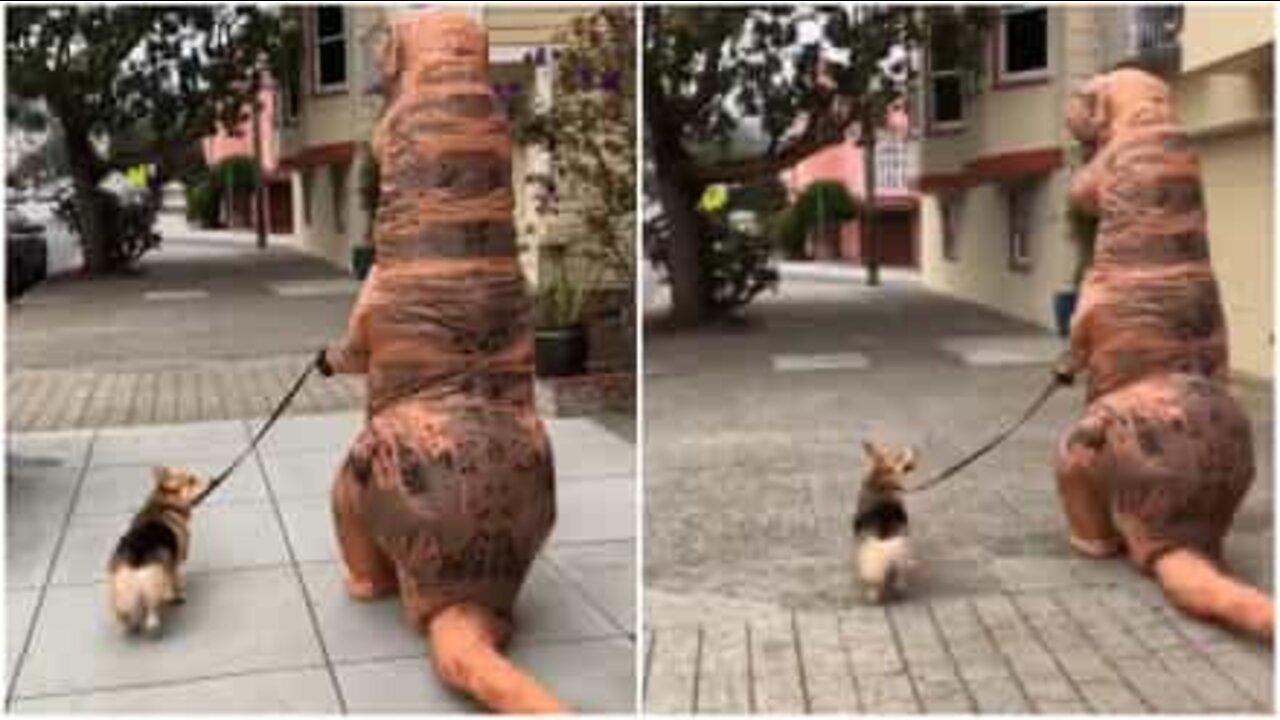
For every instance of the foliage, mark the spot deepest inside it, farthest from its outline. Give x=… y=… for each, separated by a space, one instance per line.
x=804 y=74
x=236 y=174
x=135 y=84
x=204 y=201
x=589 y=130
x=741 y=265
x=763 y=196
x=560 y=298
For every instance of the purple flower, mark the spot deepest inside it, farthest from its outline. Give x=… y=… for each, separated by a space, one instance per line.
x=584 y=76
x=611 y=81
x=514 y=88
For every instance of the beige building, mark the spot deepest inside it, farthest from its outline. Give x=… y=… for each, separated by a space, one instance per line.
x=997 y=159
x=326 y=117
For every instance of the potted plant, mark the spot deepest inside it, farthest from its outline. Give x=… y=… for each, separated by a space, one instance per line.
x=1084 y=228
x=362 y=254
x=560 y=338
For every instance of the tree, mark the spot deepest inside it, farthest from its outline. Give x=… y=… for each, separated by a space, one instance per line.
x=806 y=75
x=165 y=74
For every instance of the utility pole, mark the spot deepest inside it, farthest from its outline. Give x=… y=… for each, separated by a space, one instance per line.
x=260 y=186
x=870 y=254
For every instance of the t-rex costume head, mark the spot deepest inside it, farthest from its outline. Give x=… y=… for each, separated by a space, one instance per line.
x=1120 y=98
x=442 y=144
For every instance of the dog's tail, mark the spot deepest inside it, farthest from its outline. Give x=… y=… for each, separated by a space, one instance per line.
x=1200 y=588
x=135 y=597
x=465 y=642
x=126 y=599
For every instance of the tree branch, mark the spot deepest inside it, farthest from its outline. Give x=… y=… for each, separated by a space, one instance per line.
x=818 y=136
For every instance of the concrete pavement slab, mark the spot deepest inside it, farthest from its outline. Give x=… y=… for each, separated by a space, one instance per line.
x=585 y=449
x=606 y=572
x=596 y=511
x=595 y=676
x=224 y=537
x=116 y=489
x=237 y=621
x=286 y=691
x=300 y=474
x=154 y=444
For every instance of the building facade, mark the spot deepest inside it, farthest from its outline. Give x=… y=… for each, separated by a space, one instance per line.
x=996 y=159
x=239 y=208
x=897 y=158
x=327 y=116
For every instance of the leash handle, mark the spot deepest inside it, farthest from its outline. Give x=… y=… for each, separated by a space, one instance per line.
x=257 y=437
x=1000 y=437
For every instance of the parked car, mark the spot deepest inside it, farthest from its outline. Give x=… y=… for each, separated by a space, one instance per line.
x=27 y=253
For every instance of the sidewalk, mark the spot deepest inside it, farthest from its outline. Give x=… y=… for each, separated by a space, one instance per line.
x=268 y=627
x=752 y=465
x=210 y=329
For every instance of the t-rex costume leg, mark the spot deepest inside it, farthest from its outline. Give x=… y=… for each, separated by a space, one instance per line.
x=1164 y=455
x=448 y=492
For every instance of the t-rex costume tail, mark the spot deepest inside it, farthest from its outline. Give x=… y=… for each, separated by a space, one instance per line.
x=1164 y=454
x=448 y=492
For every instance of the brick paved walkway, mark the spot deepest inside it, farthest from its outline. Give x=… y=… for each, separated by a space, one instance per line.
x=751 y=472
x=48 y=399
x=87 y=353
x=1094 y=649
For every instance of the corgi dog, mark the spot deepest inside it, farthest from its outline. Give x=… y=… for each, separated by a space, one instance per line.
x=880 y=523
x=146 y=568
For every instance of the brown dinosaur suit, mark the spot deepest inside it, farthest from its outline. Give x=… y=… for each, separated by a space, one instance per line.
x=448 y=492
x=1164 y=454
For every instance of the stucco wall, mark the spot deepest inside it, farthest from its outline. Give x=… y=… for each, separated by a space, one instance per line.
x=1212 y=33
x=1005 y=119
x=982 y=273
x=1238 y=192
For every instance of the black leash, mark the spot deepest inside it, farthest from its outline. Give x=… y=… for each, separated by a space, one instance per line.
x=990 y=445
x=257 y=437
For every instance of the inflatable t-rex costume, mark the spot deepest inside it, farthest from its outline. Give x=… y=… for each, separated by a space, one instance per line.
x=448 y=492
x=1164 y=454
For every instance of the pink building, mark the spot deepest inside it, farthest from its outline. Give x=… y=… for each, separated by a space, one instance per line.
x=238 y=210
x=897 y=231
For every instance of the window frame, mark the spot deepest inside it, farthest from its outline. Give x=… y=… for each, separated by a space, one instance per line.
x=932 y=75
x=1019 y=224
x=318 y=86
x=1003 y=76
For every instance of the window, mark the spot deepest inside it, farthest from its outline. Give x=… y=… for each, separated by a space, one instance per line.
x=338 y=185
x=949 y=210
x=945 y=88
x=1018 y=209
x=1023 y=43
x=330 y=48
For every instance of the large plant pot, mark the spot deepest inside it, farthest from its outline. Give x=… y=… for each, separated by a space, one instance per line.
x=361 y=261
x=1064 y=306
x=559 y=352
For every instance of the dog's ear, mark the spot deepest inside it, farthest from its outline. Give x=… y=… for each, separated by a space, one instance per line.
x=160 y=473
x=909 y=459
x=872 y=450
